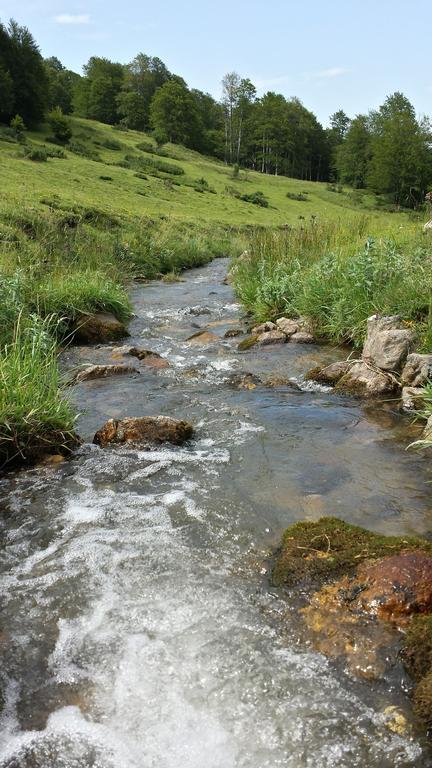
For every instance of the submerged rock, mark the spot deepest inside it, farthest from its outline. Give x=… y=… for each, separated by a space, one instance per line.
x=146 y=356
x=100 y=327
x=417 y=371
x=102 y=372
x=247 y=343
x=203 y=337
x=363 y=586
x=147 y=429
x=387 y=343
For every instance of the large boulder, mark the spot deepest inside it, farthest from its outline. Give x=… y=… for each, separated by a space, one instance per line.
x=97 y=328
x=417 y=370
x=364 y=381
x=387 y=343
x=147 y=429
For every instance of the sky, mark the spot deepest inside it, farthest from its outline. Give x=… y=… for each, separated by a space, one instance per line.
x=331 y=54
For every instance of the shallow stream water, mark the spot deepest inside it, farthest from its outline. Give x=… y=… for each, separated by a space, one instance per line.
x=139 y=629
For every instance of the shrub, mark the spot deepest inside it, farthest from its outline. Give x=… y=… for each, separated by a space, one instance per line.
x=60 y=125
x=37 y=154
x=151 y=165
x=108 y=144
x=202 y=185
x=17 y=124
x=301 y=197
x=256 y=198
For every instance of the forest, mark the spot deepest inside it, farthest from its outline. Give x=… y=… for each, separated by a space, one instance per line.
x=387 y=151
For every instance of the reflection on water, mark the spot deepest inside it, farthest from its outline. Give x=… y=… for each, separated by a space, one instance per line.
x=138 y=626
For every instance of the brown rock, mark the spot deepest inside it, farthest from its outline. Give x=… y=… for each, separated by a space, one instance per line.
x=302 y=337
x=271 y=337
x=100 y=327
x=387 y=344
x=102 y=371
x=147 y=429
x=394 y=587
x=288 y=326
x=330 y=374
x=264 y=328
x=417 y=370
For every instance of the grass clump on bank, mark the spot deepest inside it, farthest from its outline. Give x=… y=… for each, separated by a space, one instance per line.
x=35 y=417
x=338 y=275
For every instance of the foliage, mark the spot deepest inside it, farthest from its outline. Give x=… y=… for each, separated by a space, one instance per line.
x=338 y=277
x=60 y=125
x=17 y=124
x=23 y=80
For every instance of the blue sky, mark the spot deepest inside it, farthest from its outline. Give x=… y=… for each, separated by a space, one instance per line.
x=329 y=53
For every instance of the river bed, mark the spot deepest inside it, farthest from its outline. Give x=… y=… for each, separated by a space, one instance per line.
x=139 y=627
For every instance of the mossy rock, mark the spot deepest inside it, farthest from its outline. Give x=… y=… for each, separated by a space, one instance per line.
x=319 y=551
x=417 y=655
x=246 y=344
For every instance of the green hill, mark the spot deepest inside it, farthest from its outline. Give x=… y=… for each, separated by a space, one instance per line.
x=124 y=173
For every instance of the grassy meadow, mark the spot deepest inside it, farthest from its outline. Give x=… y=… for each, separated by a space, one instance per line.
x=78 y=222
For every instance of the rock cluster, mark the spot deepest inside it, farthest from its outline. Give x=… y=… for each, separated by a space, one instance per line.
x=297 y=331
x=383 y=362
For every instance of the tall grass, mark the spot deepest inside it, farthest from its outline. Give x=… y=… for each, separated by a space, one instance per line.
x=35 y=416
x=338 y=276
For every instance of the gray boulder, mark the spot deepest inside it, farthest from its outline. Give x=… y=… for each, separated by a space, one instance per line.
x=363 y=381
x=417 y=370
x=387 y=344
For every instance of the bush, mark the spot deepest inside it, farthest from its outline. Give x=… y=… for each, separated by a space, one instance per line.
x=37 y=154
x=18 y=126
x=60 y=125
x=256 y=198
x=108 y=144
x=152 y=165
x=202 y=185
x=301 y=197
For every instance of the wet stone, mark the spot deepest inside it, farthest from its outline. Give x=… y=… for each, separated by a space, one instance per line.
x=147 y=429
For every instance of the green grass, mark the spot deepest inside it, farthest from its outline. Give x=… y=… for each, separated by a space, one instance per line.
x=338 y=275
x=35 y=417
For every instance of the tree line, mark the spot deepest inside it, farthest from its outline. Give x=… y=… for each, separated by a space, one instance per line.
x=388 y=151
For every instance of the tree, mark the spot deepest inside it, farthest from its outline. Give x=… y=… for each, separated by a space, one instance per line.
x=401 y=152
x=353 y=155
x=23 y=80
x=132 y=109
x=96 y=95
x=60 y=125
x=61 y=85
x=18 y=125
x=174 y=115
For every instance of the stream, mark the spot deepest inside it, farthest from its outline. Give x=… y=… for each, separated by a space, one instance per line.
x=139 y=628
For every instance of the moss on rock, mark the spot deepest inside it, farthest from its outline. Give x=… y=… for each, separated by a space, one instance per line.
x=322 y=550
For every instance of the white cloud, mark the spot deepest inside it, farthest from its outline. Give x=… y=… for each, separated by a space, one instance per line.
x=72 y=18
